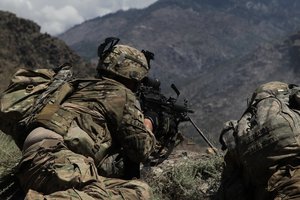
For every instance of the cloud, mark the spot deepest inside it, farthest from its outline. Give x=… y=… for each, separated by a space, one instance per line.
x=56 y=16
x=57 y=20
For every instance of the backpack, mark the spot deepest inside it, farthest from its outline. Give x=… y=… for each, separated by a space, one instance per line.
x=266 y=136
x=28 y=92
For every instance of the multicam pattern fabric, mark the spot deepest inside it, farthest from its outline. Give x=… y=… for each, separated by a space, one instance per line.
x=127 y=62
x=17 y=100
x=263 y=163
x=102 y=117
x=28 y=92
x=49 y=170
x=109 y=120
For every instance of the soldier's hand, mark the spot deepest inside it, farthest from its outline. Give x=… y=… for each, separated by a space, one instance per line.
x=151 y=120
x=148 y=124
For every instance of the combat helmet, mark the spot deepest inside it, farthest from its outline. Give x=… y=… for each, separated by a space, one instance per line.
x=273 y=88
x=122 y=60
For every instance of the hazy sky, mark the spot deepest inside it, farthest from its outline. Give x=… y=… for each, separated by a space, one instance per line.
x=56 y=16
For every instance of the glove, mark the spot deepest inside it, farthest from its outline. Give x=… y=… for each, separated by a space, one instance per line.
x=153 y=117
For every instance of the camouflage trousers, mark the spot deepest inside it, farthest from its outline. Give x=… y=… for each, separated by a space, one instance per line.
x=49 y=170
x=282 y=182
x=285 y=183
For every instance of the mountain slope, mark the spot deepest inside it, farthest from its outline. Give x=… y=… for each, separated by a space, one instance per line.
x=22 y=45
x=189 y=37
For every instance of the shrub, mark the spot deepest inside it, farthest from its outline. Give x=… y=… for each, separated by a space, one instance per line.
x=186 y=179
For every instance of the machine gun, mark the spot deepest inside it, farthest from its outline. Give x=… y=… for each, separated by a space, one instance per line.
x=170 y=115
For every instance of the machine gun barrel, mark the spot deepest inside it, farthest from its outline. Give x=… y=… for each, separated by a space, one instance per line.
x=202 y=135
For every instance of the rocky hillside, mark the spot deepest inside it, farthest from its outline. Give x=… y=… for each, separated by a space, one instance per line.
x=216 y=51
x=191 y=36
x=226 y=90
x=22 y=45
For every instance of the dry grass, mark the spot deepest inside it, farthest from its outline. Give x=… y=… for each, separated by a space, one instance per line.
x=9 y=153
x=187 y=180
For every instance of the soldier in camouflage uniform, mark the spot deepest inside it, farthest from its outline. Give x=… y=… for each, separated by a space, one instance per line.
x=262 y=158
x=70 y=142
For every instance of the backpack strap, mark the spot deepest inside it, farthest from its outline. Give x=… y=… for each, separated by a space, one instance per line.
x=62 y=76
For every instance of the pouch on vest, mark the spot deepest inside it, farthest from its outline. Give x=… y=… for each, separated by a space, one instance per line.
x=19 y=100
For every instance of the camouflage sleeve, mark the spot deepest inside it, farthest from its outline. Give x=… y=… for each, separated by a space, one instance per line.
x=137 y=142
